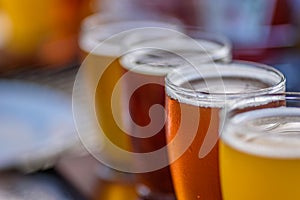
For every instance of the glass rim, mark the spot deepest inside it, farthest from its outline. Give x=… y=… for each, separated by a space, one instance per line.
x=235 y=132
x=90 y=38
x=214 y=97
x=183 y=34
x=129 y=62
x=100 y=19
x=239 y=103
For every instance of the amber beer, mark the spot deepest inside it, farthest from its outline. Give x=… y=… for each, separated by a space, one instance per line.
x=260 y=150
x=200 y=93
x=158 y=182
x=150 y=66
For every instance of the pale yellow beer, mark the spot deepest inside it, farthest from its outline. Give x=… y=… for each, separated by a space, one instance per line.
x=260 y=150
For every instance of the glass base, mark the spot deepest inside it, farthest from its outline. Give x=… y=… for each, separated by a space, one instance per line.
x=114 y=185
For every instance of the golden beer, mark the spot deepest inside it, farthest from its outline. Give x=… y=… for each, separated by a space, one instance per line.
x=104 y=61
x=102 y=43
x=260 y=151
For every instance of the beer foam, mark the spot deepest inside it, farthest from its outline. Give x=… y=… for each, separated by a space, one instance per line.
x=269 y=132
x=213 y=84
x=152 y=61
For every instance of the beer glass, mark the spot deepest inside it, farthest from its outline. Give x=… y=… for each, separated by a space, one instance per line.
x=260 y=148
x=195 y=95
x=145 y=67
x=101 y=43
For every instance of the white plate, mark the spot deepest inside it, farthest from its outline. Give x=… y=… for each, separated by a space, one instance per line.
x=36 y=125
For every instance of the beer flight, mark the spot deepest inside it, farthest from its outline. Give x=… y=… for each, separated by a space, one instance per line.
x=231 y=130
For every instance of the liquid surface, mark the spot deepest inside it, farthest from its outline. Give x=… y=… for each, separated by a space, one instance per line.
x=266 y=132
x=152 y=61
x=155 y=62
x=226 y=85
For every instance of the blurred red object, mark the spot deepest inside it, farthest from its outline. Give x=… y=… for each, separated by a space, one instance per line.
x=258 y=29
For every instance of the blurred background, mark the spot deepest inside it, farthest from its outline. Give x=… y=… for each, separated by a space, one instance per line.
x=39 y=59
